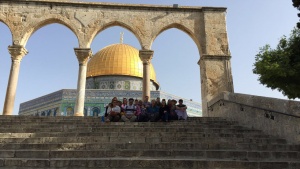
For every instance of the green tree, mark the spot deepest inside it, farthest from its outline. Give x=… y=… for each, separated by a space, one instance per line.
x=280 y=68
x=296 y=4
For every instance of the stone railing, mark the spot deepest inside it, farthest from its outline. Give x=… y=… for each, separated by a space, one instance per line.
x=276 y=117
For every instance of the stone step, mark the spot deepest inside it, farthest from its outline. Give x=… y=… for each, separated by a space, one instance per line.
x=145 y=163
x=188 y=154
x=175 y=123
x=30 y=126
x=122 y=139
x=100 y=123
x=125 y=129
x=87 y=119
x=97 y=120
x=85 y=142
x=133 y=134
x=148 y=146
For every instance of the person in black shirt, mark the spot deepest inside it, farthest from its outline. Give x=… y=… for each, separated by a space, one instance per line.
x=158 y=102
x=164 y=111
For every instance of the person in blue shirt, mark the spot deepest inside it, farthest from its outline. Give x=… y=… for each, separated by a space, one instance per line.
x=153 y=112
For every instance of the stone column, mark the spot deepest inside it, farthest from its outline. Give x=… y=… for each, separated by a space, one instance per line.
x=215 y=56
x=17 y=52
x=216 y=77
x=83 y=55
x=146 y=56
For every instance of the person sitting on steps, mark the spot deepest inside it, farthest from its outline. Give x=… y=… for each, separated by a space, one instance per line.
x=181 y=110
x=114 y=112
x=129 y=112
x=172 y=106
x=153 y=112
x=164 y=111
x=146 y=102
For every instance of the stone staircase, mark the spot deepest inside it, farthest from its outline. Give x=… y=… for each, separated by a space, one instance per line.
x=86 y=143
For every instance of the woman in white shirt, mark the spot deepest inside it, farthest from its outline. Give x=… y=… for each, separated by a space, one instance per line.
x=114 y=112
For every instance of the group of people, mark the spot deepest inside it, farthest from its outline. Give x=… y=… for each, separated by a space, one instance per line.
x=143 y=111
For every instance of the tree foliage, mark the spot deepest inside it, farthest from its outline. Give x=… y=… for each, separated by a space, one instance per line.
x=296 y=4
x=280 y=68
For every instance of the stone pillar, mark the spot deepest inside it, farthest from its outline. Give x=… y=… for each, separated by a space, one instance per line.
x=215 y=56
x=17 y=52
x=146 y=56
x=83 y=55
x=216 y=77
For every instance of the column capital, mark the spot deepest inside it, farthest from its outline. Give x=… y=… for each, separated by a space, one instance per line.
x=17 y=52
x=216 y=57
x=146 y=56
x=83 y=55
x=213 y=57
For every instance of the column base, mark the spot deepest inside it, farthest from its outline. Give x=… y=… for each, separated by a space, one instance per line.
x=7 y=114
x=78 y=114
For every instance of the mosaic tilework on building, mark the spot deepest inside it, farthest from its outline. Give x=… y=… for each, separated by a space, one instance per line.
x=116 y=83
x=62 y=103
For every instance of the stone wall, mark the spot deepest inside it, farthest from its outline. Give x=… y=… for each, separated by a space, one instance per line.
x=277 y=117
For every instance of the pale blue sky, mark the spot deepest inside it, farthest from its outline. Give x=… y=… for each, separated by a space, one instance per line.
x=51 y=64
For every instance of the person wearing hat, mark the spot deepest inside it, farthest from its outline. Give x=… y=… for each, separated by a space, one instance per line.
x=181 y=110
x=130 y=112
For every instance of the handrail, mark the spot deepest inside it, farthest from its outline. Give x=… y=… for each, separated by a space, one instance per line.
x=269 y=110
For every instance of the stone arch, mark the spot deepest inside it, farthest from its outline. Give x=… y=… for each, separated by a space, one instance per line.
x=32 y=28
x=43 y=113
x=49 y=113
x=70 y=111
x=112 y=24
x=168 y=46
x=96 y=111
x=180 y=27
x=55 y=111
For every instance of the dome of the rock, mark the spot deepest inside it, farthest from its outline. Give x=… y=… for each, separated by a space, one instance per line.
x=119 y=60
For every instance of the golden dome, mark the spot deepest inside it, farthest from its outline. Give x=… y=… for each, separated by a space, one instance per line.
x=118 y=59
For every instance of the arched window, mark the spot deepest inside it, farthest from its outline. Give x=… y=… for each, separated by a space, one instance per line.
x=96 y=111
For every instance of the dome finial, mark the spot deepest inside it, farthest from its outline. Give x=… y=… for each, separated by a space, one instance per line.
x=121 y=37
